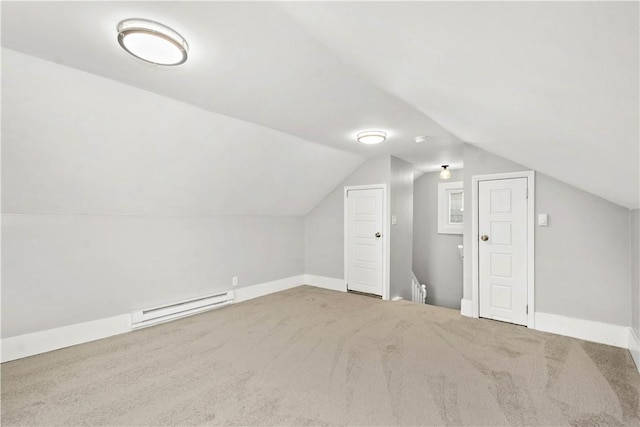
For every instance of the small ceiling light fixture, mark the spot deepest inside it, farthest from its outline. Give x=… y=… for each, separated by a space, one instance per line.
x=371 y=137
x=445 y=173
x=152 y=42
x=420 y=139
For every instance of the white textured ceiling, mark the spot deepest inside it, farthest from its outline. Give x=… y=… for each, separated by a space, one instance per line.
x=551 y=86
x=76 y=143
x=250 y=61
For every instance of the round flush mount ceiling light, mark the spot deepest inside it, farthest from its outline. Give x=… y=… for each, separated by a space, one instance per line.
x=371 y=137
x=445 y=173
x=152 y=42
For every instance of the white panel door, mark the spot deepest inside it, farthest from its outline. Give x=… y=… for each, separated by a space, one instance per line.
x=364 y=241
x=502 y=249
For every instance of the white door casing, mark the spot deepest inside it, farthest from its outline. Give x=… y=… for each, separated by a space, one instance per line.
x=502 y=249
x=364 y=236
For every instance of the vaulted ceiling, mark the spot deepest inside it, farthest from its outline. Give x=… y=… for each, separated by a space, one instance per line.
x=551 y=86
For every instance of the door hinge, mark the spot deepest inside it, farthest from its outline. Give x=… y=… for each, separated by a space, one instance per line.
x=527 y=193
x=527 y=310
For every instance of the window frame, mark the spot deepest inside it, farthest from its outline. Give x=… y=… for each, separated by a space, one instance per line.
x=445 y=189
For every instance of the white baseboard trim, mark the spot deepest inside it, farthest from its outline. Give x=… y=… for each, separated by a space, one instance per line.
x=589 y=330
x=53 y=339
x=325 y=282
x=634 y=347
x=262 y=289
x=17 y=347
x=466 y=307
x=20 y=346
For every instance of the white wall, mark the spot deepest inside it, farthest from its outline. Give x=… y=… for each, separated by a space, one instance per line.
x=115 y=198
x=58 y=270
x=402 y=232
x=635 y=271
x=436 y=261
x=582 y=258
x=324 y=225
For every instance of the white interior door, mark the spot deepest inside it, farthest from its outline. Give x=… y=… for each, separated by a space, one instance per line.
x=502 y=249
x=365 y=241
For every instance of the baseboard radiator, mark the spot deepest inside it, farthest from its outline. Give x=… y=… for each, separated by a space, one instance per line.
x=164 y=313
x=418 y=291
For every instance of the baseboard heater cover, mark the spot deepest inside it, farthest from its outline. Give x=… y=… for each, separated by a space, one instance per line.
x=164 y=313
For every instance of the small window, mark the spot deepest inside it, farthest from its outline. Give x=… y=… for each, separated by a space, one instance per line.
x=450 y=207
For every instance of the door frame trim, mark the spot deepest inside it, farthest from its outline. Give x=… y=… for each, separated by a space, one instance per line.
x=475 y=264
x=386 y=264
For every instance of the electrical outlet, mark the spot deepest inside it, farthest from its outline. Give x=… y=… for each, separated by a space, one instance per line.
x=234 y=281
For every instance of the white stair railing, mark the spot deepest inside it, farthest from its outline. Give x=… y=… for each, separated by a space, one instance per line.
x=419 y=291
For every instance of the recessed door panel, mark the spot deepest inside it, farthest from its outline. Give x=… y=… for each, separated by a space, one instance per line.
x=500 y=265
x=365 y=205
x=501 y=297
x=365 y=253
x=365 y=229
x=363 y=276
x=501 y=232
x=500 y=200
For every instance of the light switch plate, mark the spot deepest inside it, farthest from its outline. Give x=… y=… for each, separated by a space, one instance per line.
x=394 y=220
x=543 y=219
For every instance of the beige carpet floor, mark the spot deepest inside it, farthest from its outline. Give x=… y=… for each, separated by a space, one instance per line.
x=309 y=356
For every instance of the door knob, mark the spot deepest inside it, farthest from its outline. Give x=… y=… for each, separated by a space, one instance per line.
x=378 y=234
x=484 y=237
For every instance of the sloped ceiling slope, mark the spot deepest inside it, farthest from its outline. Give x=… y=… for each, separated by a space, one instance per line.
x=76 y=143
x=250 y=61
x=550 y=85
